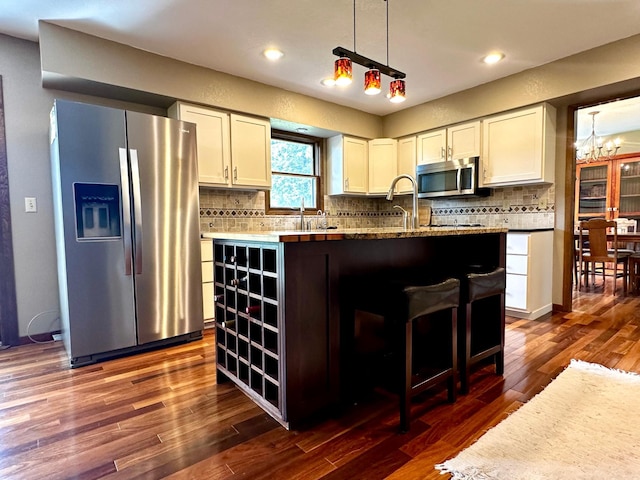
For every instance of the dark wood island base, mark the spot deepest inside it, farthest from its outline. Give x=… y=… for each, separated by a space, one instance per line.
x=277 y=297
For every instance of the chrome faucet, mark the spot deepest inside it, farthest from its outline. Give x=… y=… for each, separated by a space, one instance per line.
x=414 y=214
x=405 y=216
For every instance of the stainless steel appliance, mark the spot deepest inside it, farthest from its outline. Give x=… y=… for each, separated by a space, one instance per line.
x=449 y=178
x=127 y=230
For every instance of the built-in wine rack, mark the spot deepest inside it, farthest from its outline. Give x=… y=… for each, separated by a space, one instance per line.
x=248 y=320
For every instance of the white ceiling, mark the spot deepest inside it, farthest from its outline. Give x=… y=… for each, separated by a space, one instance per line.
x=437 y=43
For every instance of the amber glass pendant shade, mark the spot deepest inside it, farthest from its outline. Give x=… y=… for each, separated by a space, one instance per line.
x=397 y=91
x=342 y=71
x=372 y=82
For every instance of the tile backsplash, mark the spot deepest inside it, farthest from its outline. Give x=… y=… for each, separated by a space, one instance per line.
x=526 y=207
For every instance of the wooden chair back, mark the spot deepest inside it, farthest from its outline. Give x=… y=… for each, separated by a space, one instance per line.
x=597 y=230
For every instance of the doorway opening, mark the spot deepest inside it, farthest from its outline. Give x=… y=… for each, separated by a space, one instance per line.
x=607 y=176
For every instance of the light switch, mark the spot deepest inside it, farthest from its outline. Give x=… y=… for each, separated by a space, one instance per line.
x=30 y=205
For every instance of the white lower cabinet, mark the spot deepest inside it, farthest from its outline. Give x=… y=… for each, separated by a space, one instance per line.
x=529 y=274
x=206 y=257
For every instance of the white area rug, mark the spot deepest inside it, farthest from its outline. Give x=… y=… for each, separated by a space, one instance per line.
x=584 y=425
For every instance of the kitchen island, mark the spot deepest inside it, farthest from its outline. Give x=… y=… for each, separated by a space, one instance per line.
x=277 y=298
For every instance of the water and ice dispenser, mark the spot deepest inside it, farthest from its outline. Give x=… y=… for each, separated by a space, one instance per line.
x=97 y=211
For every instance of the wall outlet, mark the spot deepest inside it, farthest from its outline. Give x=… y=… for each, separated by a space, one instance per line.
x=30 y=205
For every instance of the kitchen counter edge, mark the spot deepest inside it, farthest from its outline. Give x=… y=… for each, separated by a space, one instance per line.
x=350 y=234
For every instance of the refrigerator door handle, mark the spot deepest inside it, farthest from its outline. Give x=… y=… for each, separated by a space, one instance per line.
x=126 y=208
x=137 y=210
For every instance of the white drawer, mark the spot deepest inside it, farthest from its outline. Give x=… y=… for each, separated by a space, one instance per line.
x=518 y=243
x=516 y=292
x=517 y=264
x=207 y=272
x=208 y=305
x=206 y=249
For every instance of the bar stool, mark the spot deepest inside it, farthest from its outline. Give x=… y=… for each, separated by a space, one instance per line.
x=634 y=272
x=404 y=304
x=482 y=333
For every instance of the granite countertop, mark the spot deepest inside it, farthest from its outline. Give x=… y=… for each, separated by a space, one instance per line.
x=351 y=234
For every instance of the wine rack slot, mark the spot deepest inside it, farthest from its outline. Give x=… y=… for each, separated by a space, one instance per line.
x=256 y=357
x=271 y=392
x=248 y=318
x=255 y=284
x=243 y=349
x=269 y=261
x=254 y=258
x=270 y=314
x=255 y=333
x=271 y=366
x=256 y=382
x=243 y=326
x=270 y=287
x=243 y=372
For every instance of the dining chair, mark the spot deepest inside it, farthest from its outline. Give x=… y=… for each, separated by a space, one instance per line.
x=595 y=232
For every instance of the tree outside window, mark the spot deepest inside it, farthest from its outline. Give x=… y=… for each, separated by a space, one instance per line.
x=295 y=173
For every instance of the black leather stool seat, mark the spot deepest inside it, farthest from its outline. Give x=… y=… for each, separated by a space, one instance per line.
x=404 y=304
x=482 y=334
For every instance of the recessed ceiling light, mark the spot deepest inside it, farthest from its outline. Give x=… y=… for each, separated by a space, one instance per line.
x=493 y=57
x=273 y=54
x=328 y=82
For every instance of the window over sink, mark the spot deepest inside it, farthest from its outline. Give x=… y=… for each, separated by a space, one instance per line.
x=295 y=173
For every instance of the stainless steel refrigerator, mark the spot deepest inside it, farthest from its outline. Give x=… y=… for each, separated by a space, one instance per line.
x=126 y=212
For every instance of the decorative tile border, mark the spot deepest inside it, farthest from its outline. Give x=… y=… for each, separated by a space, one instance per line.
x=516 y=207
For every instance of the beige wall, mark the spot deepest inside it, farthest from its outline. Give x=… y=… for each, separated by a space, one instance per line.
x=97 y=62
x=26 y=110
x=552 y=82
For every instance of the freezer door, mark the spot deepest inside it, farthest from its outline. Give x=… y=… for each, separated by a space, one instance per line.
x=96 y=294
x=164 y=177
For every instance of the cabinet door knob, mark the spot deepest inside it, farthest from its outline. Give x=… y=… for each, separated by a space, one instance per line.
x=450 y=152
x=442 y=154
x=226 y=173
x=235 y=173
x=346 y=184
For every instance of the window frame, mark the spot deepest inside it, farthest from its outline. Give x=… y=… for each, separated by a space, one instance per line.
x=317 y=167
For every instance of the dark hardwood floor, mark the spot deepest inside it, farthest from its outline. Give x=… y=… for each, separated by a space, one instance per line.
x=161 y=415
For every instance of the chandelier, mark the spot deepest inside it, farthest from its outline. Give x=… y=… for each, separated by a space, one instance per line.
x=594 y=148
x=343 y=68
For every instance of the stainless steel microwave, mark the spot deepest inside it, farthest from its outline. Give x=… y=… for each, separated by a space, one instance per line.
x=449 y=178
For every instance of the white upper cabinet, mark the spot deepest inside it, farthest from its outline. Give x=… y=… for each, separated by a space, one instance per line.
x=214 y=153
x=432 y=146
x=406 y=163
x=383 y=164
x=347 y=161
x=233 y=150
x=519 y=147
x=458 y=141
x=463 y=140
x=250 y=151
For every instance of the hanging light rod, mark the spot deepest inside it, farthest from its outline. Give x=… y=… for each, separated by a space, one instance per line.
x=368 y=63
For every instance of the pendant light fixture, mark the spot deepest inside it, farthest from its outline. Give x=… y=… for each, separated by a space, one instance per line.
x=372 y=85
x=397 y=91
x=372 y=82
x=342 y=71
